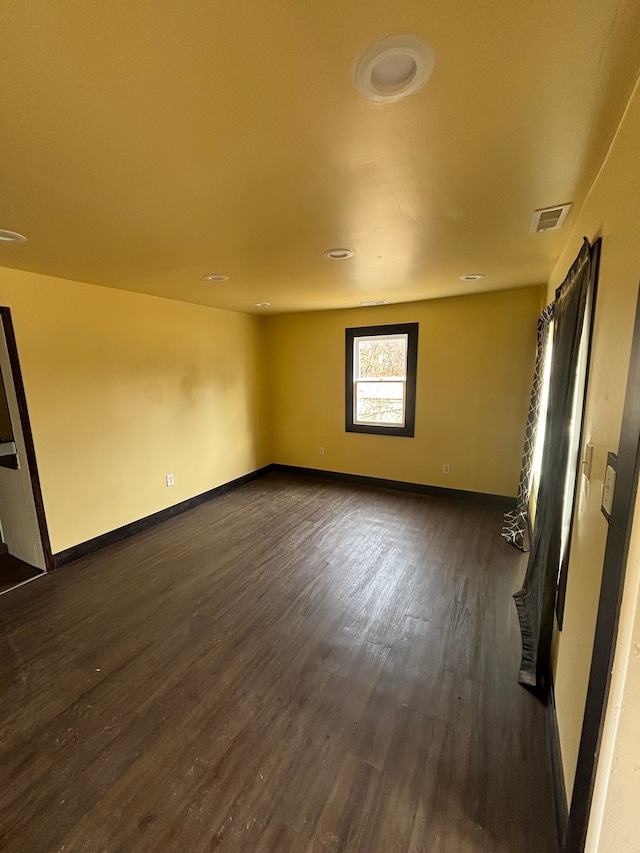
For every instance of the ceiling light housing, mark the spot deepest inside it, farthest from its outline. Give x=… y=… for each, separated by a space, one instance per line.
x=263 y=304
x=338 y=254
x=474 y=276
x=394 y=68
x=374 y=302
x=215 y=277
x=11 y=237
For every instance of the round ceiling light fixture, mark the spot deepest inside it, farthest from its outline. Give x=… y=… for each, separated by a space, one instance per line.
x=475 y=276
x=11 y=237
x=263 y=304
x=374 y=302
x=394 y=68
x=215 y=277
x=338 y=254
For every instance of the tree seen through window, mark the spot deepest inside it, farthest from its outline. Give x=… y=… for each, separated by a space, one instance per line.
x=381 y=376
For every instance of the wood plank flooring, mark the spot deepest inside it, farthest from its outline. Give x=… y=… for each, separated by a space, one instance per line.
x=300 y=666
x=14 y=572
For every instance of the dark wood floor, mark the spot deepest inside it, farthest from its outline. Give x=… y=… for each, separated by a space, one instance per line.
x=300 y=666
x=14 y=572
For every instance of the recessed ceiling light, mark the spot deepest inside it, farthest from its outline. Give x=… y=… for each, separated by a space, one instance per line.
x=215 y=277
x=11 y=237
x=263 y=304
x=338 y=254
x=394 y=68
x=475 y=276
x=374 y=302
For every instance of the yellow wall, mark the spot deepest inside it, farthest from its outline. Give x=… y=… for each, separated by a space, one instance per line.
x=612 y=211
x=475 y=364
x=124 y=388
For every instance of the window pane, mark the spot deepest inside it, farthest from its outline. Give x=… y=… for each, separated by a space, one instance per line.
x=380 y=402
x=381 y=357
x=380 y=390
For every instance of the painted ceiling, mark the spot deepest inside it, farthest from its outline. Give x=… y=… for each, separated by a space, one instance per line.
x=146 y=144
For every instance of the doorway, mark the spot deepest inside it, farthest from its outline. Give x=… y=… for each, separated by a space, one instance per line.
x=25 y=550
x=616 y=555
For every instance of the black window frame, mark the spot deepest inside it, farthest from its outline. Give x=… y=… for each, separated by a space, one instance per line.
x=409 y=329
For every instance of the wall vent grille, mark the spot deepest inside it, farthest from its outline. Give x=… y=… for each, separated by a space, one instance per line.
x=549 y=218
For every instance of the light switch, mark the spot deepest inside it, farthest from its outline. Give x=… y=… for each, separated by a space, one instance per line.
x=587 y=462
x=609 y=485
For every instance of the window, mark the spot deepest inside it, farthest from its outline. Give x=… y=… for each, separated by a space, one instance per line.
x=536 y=465
x=575 y=426
x=381 y=379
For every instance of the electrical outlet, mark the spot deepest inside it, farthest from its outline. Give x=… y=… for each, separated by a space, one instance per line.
x=322 y=451
x=446 y=468
x=169 y=479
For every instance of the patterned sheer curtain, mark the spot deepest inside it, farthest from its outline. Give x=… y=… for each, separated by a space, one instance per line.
x=535 y=602
x=515 y=521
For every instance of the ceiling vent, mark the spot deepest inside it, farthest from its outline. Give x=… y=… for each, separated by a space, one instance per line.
x=549 y=218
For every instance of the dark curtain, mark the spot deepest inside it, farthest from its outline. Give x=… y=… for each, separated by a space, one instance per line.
x=515 y=521
x=535 y=601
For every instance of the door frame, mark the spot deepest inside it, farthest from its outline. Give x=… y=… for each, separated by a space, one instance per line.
x=14 y=362
x=611 y=589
